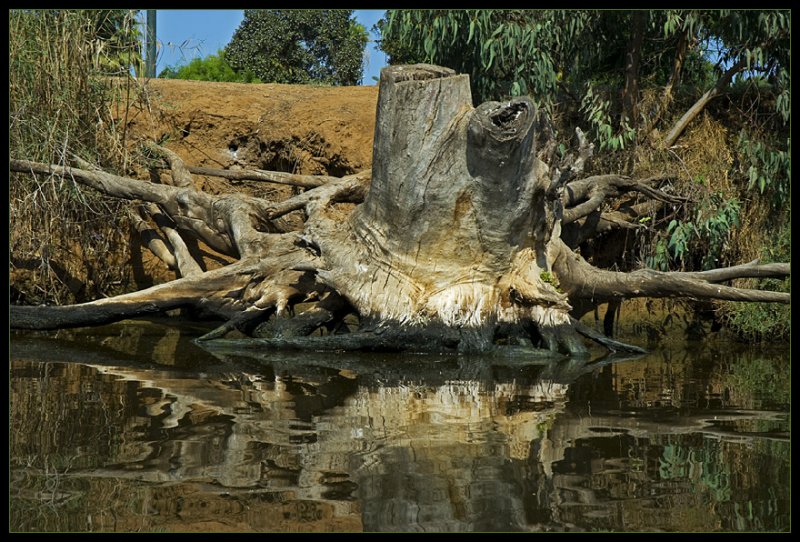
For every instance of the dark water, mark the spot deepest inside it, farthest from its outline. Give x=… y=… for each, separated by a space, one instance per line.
x=133 y=428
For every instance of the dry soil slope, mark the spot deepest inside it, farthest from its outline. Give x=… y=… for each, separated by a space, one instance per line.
x=293 y=128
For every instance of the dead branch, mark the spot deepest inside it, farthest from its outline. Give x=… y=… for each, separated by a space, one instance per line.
x=180 y=174
x=351 y=188
x=720 y=86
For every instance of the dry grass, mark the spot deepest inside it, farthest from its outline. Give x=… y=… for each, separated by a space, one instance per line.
x=60 y=102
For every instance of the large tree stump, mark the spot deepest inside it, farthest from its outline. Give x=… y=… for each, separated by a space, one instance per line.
x=456 y=227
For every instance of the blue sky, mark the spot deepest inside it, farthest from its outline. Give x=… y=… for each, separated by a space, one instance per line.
x=186 y=34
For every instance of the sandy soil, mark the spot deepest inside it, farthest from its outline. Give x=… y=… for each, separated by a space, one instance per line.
x=294 y=128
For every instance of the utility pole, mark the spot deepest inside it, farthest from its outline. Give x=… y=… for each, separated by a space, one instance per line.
x=150 y=41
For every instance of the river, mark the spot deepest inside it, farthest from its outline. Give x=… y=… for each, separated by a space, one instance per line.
x=132 y=427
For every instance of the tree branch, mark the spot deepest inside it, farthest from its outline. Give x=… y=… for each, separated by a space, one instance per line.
x=228 y=223
x=187 y=266
x=630 y=92
x=594 y=224
x=153 y=240
x=209 y=290
x=747 y=270
x=112 y=185
x=180 y=174
x=352 y=188
x=599 y=338
x=681 y=50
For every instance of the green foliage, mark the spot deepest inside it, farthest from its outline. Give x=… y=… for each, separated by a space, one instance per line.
x=716 y=219
x=755 y=322
x=769 y=170
x=583 y=52
x=119 y=41
x=551 y=279
x=547 y=54
x=659 y=259
x=299 y=46
x=505 y=52
x=596 y=111
x=210 y=68
x=760 y=40
x=680 y=235
x=703 y=237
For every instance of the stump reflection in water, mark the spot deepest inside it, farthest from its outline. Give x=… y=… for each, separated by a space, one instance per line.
x=323 y=442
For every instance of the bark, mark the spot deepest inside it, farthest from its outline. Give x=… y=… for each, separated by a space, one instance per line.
x=230 y=224
x=456 y=224
x=184 y=262
x=347 y=189
x=452 y=243
x=153 y=241
x=681 y=50
x=180 y=174
x=189 y=292
x=587 y=195
x=677 y=67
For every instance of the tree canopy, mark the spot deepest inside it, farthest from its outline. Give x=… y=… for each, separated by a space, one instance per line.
x=299 y=46
x=580 y=54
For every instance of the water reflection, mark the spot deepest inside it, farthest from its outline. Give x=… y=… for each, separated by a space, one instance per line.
x=137 y=429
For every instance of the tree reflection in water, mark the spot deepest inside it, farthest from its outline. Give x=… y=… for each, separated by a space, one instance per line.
x=139 y=430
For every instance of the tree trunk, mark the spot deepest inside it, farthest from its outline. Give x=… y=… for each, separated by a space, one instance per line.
x=677 y=67
x=454 y=242
x=630 y=93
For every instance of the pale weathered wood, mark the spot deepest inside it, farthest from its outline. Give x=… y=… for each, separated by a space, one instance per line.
x=582 y=280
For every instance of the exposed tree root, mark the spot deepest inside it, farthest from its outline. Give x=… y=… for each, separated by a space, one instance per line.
x=276 y=177
x=609 y=343
x=585 y=196
x=582 y=280
x=215 y=290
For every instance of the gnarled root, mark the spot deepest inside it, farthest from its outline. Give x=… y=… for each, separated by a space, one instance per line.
x=582 y=280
